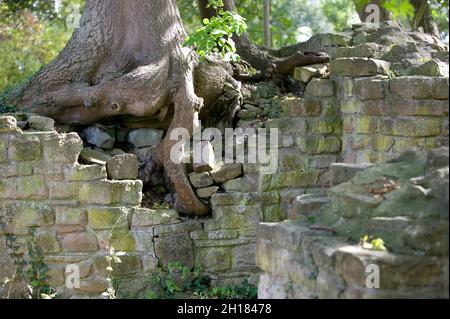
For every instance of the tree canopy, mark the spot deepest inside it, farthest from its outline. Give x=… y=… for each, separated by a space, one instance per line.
x=33 y=32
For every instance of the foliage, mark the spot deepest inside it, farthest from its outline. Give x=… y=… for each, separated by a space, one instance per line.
x=112 y=258
x=339 y=13
x=29 y=38
x=37 y=271
x=179 y=279
x=374 y=244
x=216 y=34
x=244 y=291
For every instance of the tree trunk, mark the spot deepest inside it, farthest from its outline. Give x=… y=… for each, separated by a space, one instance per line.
x=126 y=58
x=259 y=59
x=423 y=18
x=267 y=36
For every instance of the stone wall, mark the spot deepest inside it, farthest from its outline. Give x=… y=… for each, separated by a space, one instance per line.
x=385 y=91
x=318 y=256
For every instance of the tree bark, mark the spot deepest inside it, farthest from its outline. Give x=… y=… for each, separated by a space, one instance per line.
x=423 y=18
x=267 y=36
x=125 y=59
x=259 y=59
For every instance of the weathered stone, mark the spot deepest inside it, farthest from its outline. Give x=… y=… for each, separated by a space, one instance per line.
x=147 y=217
x=176 y=248
x=363 y=50
x=370 y=88
x=61 y=148
x=207 y=192
x=306 y=205
x=342 y=172
x=145 y=137
x=420 y=107
x=112 y=192
x=68 y=218
x=204 y=157
x=108 y=218
x=25 y=148
x=8 y=124
x=431 y=68
x=320 y=88
x=91 y=156
x=122 y=167
x=359 y=67
x=420 y=87
x=214 y=259
x=3 y=151
x=417 y=127
x=247 y=183
x=31 y=186
x=85 y=172
x=32 y=216
x=225 y=172
x=48 y=242
x=99 y=137
x=40 y=123
x=63 y=190
x=306 y=73
x=301 y=107
x=324 y=126
x=120 y=238
x=200 y=180
x=177 y=228
x=79 y=242
x=319 y=145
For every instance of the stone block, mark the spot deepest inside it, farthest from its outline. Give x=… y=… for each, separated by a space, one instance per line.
x=40 y=123
x=47 y=241
x=90 y=156
x=420 y=87
x=108 y=218
x=207 y=192
x=357 y=67
x=201 y=180
x=69 y=219
x=204 y=157
x=224 y=172
x=213 y=259
x=8 y=124
x=79 y=172
x=319 y=144
x=145 y=137
x=342 y=172
x=64 y=190
x=79 y=242
x=247 y=183
x=320 y=88
x=147 y=217
x=370 y=88
x=25 y=148
x=31 y=187
x=420 y=107
x=325 y=125
x=301 y=107
x=175 y=248
x=100 y=137
x=123 y=167
x=61 y=148
x=417 y=127
x=306 y=73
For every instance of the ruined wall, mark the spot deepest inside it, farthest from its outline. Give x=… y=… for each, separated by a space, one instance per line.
x=381 y=95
